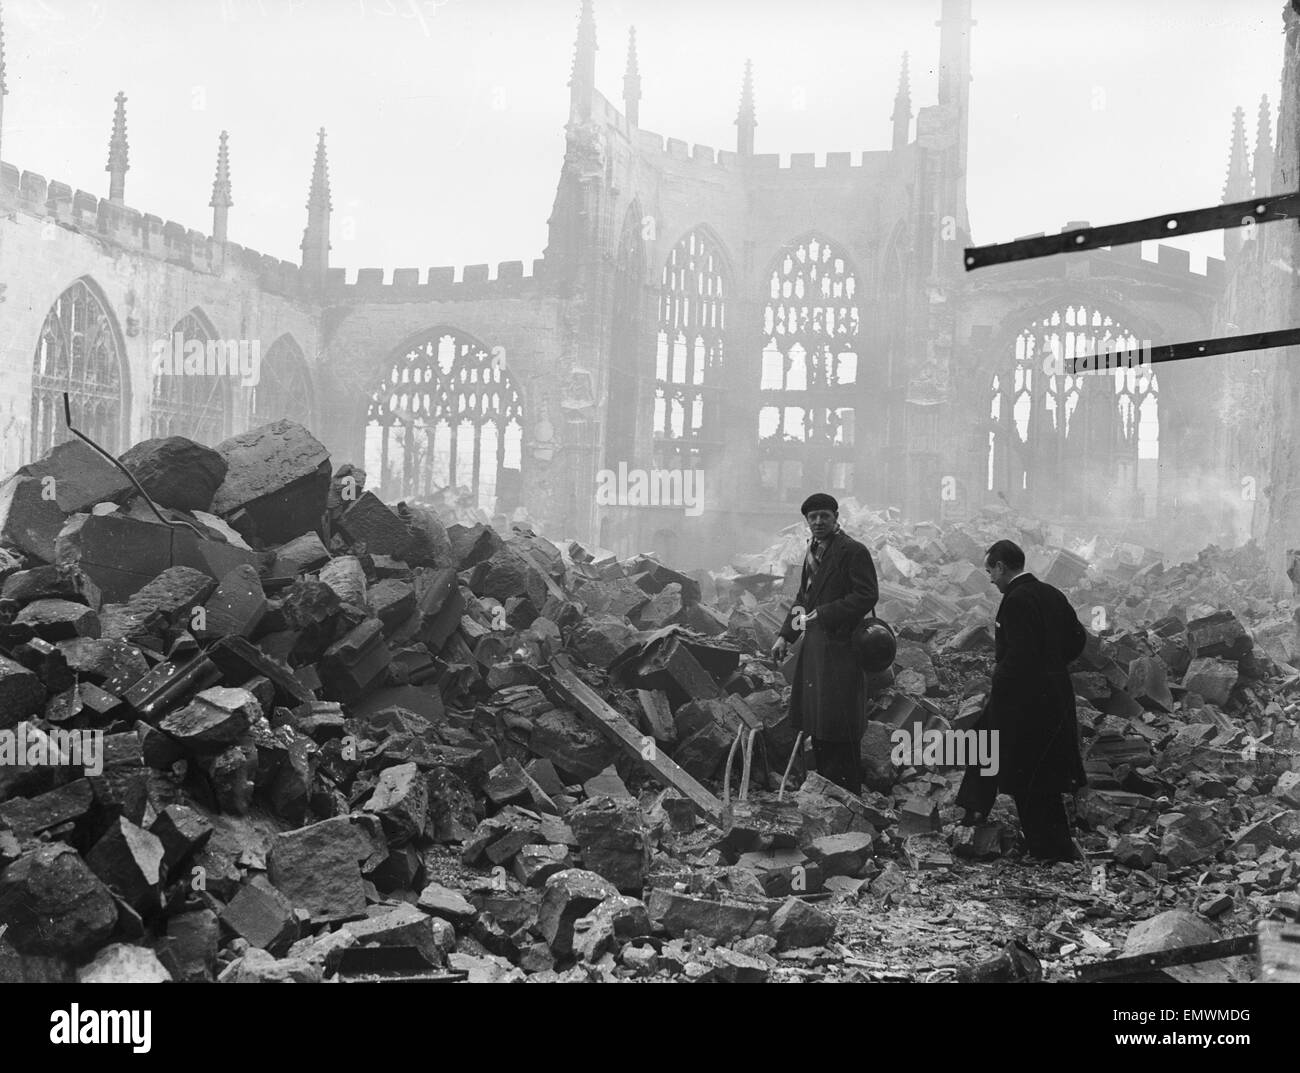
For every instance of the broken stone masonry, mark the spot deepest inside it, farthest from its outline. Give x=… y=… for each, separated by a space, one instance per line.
x=351 y=740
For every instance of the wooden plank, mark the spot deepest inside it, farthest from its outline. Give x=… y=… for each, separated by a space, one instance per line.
x=1160 y=959
x=654 y=703
x=596 y=712
x=1279 y=952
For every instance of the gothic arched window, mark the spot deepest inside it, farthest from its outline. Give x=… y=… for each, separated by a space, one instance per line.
x=190 y=397
x=809 y=384
x=447 y=420
x=1074 y=417
x=284 y=388
x=78 y=351
x=689 y=352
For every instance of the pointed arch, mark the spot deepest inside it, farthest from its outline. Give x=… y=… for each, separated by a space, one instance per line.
x=1043 y=417
x=193 y=400
x=284 y=388
x=80 y=350
x=694 y=289
x=809 y=387
x=446 y=420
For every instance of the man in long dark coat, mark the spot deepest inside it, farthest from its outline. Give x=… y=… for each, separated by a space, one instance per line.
x=1031 y=705
x=828 y=698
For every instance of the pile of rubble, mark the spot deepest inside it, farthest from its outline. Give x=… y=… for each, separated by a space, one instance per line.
x=339 y=739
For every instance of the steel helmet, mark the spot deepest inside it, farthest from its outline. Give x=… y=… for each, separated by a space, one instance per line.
x=874 y=645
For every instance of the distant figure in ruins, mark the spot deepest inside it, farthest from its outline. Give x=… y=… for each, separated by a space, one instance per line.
x=828 y=698
x=1031 y=705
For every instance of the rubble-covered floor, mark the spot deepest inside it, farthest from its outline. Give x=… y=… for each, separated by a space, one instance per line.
x=343 y=740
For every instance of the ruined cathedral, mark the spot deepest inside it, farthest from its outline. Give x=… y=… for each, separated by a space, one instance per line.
x=763 y=326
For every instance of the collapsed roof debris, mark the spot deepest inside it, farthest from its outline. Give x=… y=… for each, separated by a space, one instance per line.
x=346 y=739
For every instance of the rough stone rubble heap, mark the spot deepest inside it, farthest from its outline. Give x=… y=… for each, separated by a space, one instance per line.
x=344 y=739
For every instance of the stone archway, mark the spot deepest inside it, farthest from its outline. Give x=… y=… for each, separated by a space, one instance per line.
x=79 y=351
x=446 y=424
x=1082 y=443
x=810 y=388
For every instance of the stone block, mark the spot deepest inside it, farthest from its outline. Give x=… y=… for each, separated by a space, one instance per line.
x=276 y=483
x=318 y=869
x=21 y=693
x=613 y=840
x=129 y=860
x=176 y=472
x=122 y=963
x=29 y=521
x=796 y=925
x=236 y=607
x=725 y=921
x=1212 y=678
x=568 y=896
x=54 y=905
x=82 y=477
x=401 y=800
x=262 y=916
x=214 y=719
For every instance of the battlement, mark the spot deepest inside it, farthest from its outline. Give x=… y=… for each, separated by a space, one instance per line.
x=141 y=232
x=166 y=240
x=650 y=144
x=470 y=281
x=1171 y=265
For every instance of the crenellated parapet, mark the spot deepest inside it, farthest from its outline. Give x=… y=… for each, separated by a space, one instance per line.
x=446 y=283
x=651 y=145
x=139 y=232
x=150 y=236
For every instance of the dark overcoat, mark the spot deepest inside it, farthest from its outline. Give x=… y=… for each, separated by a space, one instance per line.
x=1031 y=702
x=828 y=697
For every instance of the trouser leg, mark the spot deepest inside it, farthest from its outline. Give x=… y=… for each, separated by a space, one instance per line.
x=978 y=792
x=839 y=761
x=1046 y=826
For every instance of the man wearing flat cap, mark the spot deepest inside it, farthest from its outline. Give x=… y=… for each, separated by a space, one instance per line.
x=828 y=698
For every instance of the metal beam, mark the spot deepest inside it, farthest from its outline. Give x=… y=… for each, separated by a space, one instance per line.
x=1104 y=361
x=1218 y=217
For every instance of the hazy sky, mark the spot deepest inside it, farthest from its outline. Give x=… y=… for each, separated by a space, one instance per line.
x=445 y=118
